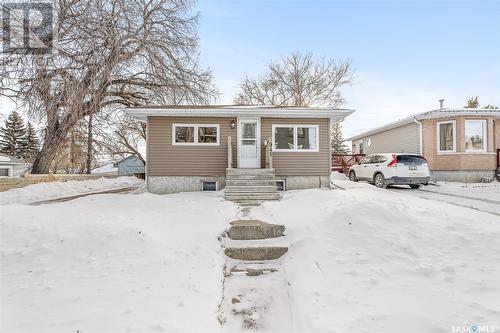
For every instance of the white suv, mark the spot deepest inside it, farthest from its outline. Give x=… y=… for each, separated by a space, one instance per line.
x=391 y=169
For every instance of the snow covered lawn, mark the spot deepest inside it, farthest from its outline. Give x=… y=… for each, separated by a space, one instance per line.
x=113 y=263
x=487 y=191
x=361 y=260
x=54 y=190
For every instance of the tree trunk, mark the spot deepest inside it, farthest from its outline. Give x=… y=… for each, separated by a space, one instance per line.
x=54 y=138
x=89 y=144
x=44 y=159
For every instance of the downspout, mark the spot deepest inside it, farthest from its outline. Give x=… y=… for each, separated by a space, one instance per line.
x=421 y=144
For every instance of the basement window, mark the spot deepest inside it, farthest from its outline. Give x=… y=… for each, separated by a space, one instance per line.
x=280 y=185
x=209 y=186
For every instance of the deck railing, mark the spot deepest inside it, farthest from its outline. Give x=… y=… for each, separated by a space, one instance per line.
x=342 y=162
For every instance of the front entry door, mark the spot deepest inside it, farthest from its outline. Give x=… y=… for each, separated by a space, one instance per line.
x=248 y=143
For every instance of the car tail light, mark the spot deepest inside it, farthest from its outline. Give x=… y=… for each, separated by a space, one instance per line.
x=393 y=162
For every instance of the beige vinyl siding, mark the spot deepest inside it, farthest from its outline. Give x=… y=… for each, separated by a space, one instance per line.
x=165 y=159
x=299 y=163
x=403 y=139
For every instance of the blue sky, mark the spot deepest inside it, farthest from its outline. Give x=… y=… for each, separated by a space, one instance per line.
x=407 y=54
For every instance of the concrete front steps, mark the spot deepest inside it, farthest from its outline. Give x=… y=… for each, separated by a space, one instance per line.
x=255 y=295
x=250 y=186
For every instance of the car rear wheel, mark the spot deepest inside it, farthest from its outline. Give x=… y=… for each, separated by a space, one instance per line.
x=415 y=186
x=352 y=176
x=379 y=181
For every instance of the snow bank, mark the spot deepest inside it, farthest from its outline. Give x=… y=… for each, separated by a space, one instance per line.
x=361 y=260
x=106 y=168
x=113 y=263
x=338 y=176
x=60 y=189
x=371 y=260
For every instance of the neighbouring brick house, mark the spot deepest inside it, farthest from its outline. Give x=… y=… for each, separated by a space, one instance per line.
x=459 y=144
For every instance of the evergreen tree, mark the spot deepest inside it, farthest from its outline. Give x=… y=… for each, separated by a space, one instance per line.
x=13 y=136
x=472 y=103
x=32 y=145
x=338 y=145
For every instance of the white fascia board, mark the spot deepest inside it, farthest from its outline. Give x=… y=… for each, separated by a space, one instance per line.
x=334 y=114
x=433 y=114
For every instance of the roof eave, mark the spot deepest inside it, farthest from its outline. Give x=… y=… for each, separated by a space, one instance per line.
x=333 y=114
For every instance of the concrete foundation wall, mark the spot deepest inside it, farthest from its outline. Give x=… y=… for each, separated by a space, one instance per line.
x=305 y=182
x=174 y=184
x=469 y=176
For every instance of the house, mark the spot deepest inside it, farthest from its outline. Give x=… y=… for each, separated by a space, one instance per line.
x=11 y=167
x=459 y=144
x=193 y=148
x=131 y=165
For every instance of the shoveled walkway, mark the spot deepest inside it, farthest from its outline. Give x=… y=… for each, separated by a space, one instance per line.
x=255 y=288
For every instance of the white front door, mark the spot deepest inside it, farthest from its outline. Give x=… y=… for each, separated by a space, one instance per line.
x=248 y=143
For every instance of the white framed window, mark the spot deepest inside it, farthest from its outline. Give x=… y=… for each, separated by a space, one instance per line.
x=5 y=171
x=196 y=134
x=446 y=136
x=475 y=135
x=295 y=138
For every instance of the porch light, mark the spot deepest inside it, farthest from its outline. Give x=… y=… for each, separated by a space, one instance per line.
x=233 y=124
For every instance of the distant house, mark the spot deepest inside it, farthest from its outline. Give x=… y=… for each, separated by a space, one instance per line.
x=459 y=144
x=11 y=167
x=131 y=165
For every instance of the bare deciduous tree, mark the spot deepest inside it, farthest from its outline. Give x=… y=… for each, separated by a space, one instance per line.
x=109 y=53
x=298 y=80
x=122 y=137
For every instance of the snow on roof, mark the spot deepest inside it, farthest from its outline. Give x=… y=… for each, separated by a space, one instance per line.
x=106 y=168
x=438 y=113
x=5 y=159
x=126 y=158
x=143 y=112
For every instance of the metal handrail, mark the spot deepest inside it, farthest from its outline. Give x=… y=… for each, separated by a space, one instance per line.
x=229 y=153
x=269 y=153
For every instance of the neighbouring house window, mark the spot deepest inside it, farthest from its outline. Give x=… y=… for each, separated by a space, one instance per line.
x=4 y=172
x=195 y=134
x=296 y=137
x=446 y=136
x=475 y=135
